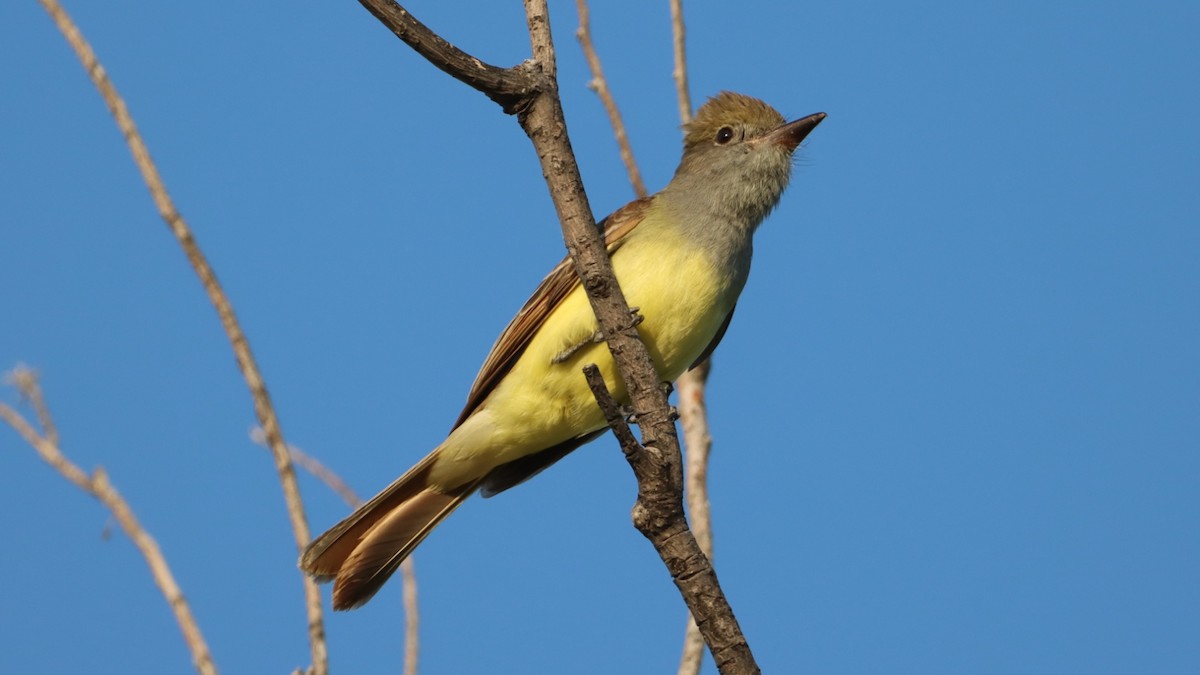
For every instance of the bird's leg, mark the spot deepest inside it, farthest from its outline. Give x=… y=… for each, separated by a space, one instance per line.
x=637 y=318
x=593 y=339
x=631 y=415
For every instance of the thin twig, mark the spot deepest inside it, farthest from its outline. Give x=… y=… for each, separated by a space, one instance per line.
x=241 y=348
x=599 y=84
x=612 y=411
x=315 y=467
x=326 y=476
x=678 y=42
x=26 y=381
x=412 y=616
x=512 y=88
x=693 y=413
x=693 y=418
x=99 y=487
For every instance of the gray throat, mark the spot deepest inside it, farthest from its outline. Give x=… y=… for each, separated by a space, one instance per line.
x=722 y=221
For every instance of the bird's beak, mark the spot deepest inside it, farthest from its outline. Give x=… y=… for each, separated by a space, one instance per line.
x=790 y=134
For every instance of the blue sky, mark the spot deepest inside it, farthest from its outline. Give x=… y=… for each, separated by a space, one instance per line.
x=956 y=418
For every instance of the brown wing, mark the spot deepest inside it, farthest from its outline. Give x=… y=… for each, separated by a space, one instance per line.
x=520 y=470
x=553 y=289
x=712 y=345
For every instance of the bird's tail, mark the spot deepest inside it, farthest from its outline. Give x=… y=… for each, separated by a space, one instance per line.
x=362 y=551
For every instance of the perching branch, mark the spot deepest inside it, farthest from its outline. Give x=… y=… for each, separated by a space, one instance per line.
x=237 y=339
x=531 y=91
x=690 y=386
x=98 y=485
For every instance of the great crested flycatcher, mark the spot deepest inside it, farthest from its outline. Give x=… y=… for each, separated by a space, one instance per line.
x=681 y=256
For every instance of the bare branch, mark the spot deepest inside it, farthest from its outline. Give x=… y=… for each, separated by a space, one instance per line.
x=315 y=467
x=241 y=348
x=99 y=487
x=412 y=616
x=326 y=476
x=693 y=417
x=25 y=379
x=612 y=411
x=599 y=84
x=512 y=88
x=678 y=41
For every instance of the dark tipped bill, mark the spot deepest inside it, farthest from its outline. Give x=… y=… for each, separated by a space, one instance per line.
x=790 y=134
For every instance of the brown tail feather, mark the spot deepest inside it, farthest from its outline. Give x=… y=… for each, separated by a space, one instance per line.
x=386 y=545
x=323 y=558
x=363 y=550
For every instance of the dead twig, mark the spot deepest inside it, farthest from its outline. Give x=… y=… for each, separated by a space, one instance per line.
x=679 y=48
x=693 y=417
x=98 y=485
x=237 y=339
x=612 y=411
x=599 y=84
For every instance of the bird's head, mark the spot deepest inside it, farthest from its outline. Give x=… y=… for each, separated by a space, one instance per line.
x=737 y=156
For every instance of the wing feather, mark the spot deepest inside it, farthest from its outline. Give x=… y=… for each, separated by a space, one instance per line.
x=712 y=344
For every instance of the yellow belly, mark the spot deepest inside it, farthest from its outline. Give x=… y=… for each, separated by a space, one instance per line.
x=683 y=299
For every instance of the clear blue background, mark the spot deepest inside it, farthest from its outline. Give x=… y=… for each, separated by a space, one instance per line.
x=956 y=418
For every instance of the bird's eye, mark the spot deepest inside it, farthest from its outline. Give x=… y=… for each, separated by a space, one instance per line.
x=724 y=135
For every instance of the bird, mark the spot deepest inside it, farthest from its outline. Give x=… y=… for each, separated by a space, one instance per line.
x=681 y=256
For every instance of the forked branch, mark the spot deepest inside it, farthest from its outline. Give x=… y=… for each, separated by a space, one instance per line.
x=98 y=486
